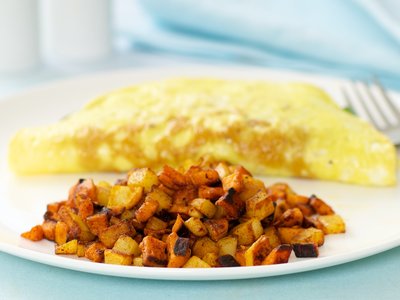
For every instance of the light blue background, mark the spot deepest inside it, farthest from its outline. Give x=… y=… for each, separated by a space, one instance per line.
x=376 y=277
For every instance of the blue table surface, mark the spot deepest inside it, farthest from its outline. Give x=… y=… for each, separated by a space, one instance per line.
x=375 y=277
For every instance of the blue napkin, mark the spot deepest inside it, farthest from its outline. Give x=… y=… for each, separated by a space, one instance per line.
x=352 y=38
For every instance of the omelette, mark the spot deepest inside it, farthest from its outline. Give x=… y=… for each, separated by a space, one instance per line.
x=281 y=129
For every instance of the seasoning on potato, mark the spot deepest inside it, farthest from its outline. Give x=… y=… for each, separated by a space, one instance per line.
x=210 y=215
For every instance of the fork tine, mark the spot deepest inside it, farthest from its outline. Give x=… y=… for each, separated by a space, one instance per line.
x=387 y=99
x=375 y=101
x=364 y=105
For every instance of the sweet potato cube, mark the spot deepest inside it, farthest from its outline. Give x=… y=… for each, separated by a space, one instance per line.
x=209 y=192
x=154 y=252
x=248 y=232
x=97 y=222
x=259 y=206
x=124 y=196
x=227 y=260
x=306 y=250
x=35 y=234
x=320 y=206
x=117 y=258
x=217 y=228
x=178 y=250
x=84 y=233
x=196 y=262
x=49 y=228
x=144 y=178
x=199 y=176
x=171 y=178
x=95 y=252
x=210 y=259
x=146 y=210
x=278 y=255
x=258 y=251
x=67 y=248
x=111 y=234
x=291 y=217
x=332 y=224
x=234 y=180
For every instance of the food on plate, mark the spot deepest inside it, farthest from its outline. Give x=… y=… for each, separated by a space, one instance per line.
x=284 y=129
x=209 y=215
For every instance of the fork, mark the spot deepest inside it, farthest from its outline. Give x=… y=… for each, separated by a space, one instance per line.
x=372 y=103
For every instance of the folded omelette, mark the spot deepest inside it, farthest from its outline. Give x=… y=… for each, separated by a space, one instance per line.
x=284 y=129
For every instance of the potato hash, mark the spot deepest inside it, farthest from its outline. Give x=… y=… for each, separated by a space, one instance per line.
x=210 y=215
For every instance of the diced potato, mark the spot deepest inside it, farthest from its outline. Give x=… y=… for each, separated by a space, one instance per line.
x=138 y=261
x=97 y=223
x=103 y=193
x=146 y=210
x=217 y=228
x=301 y=235
x=229 y=204
x=273 y=236
x=110 y=235
x=127 y=245
x=116 y=258
x=67 y=248
x=154 y=252
x=95 y=252
x=251 y=186
x=248 y=232
x=222 y=170
x=124 y=196
x=227 y=245
x=204 y=245
x=295 y=199
x=193 y=212
x=144 y=178
x=35 y=234
x=332 y=224
x=196 y=226
x=84 y=231
x=163 y=199
x=196 y=262
x=205 y=206
x=83 y=189
x=278 y=255
x=259 y=206
x=179 y=209
x=155 y=223
x=211 y=259
x=61 y=233
x=239 y=256
x=258 y=251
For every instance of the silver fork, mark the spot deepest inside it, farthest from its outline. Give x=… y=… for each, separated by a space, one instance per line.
x=372 y=103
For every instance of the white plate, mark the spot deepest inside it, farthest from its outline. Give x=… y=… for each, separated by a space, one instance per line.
x=371 y=214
